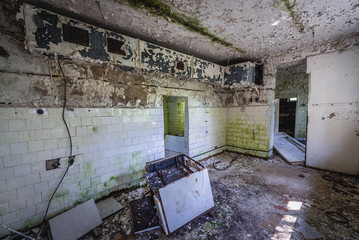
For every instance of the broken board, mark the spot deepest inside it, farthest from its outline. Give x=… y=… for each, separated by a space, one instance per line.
x=144 y=216
x=76 y=222
x=108 y=207
x=286 y=146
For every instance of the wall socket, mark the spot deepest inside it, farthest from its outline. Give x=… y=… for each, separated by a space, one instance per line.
x=52 y=164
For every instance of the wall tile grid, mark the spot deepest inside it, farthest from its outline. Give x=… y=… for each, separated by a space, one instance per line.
x=111 y=148
x=207 y=131
x=248 y=130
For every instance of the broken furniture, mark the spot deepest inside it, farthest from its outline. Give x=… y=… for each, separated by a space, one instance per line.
x=181 y=190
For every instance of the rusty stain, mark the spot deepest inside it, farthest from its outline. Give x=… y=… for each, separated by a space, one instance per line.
x=323 y=118
x=331 y=115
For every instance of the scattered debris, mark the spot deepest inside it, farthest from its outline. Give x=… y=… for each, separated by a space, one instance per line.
x=244 y=196
x=144 y=216
x=307 y=231
x=17 y=232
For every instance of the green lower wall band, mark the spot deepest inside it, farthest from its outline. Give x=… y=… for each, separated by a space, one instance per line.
x=248 y=149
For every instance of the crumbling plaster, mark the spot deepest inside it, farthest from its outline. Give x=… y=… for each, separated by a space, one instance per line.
x=262 y=28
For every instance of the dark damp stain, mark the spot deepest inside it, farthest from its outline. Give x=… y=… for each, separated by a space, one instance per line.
x=126 y=68
x=47 y=30
x=4 y=53
x=42 y=91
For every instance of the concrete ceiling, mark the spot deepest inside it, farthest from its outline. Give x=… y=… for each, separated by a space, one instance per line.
x=261 y=28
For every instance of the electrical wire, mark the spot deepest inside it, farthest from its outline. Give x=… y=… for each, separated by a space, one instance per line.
x=226 y=167
x=71 y=158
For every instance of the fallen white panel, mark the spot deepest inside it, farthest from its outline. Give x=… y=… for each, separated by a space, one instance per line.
x=108 y=207
x=290 y=151
x=174 y=143
x=187 y=198
x=76 y=222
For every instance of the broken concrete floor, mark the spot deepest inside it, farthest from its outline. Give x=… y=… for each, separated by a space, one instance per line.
x=258 y=199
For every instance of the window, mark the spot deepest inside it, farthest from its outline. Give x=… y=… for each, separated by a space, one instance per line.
x=114 y=46
x=75 y=35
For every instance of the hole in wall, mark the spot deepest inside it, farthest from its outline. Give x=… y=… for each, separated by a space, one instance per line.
x=40 y=111
x=180 y=65
x=75 y=35
x=258 y=74
x=115 y=46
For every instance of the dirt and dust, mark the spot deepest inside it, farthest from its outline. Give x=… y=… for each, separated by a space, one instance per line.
x=257 y=199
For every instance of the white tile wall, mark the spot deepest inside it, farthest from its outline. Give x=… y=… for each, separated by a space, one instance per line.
x=111 y=148
x=207 y=130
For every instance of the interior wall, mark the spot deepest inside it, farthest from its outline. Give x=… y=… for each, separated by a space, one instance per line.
x=114 y=110
x=333 y=111
x=292 y=81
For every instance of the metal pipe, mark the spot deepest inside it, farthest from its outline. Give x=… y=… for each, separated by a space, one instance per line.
x=160 y=175
x=18 y=233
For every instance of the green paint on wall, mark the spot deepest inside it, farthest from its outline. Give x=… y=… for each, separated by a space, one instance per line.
x=174 y=110
x=61 y=192
x=247 y=136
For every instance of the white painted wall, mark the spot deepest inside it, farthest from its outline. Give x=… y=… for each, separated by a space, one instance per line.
x=333 y=111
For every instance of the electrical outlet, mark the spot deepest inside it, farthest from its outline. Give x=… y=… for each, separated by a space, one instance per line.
x=52 y=164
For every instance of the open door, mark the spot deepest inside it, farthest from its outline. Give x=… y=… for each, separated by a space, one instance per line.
x=175 y=112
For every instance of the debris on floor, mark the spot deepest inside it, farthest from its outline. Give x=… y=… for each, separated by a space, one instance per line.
x=307 y=231
x=144 y=215
x=75 y=222
x=254 y=199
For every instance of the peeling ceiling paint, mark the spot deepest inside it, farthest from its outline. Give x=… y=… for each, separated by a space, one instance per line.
x=262 y=28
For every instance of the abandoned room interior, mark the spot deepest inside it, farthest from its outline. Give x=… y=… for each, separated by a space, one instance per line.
x=179 y=119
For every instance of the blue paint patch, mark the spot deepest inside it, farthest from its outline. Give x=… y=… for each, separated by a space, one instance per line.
x=236 y=74
x=47 y=30
x=155 y=59
x=97 y=48
x=201 y=71
x=164 y=60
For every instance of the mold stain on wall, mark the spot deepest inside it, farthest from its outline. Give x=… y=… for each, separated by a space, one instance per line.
x=158 y=8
